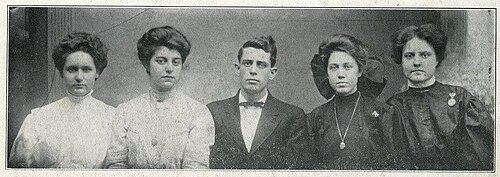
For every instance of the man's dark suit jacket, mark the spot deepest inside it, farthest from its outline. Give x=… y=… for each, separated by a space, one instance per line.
x=280 y=141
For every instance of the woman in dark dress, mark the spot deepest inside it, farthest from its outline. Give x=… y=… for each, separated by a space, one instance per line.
x=441 y=126
x=349 y=131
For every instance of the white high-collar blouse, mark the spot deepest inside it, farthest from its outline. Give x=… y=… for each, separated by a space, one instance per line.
x=176 y=132
x=73 y=132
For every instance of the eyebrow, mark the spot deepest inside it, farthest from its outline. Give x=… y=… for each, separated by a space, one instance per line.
x=248 y=59
x=342 y=63
x=78 y=67
x=176 y=58
x=262 y=62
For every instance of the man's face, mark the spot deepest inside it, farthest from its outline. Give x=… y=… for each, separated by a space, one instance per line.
x=255 y=70
x=418 y=60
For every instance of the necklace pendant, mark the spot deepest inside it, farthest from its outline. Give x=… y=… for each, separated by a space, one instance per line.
x=342 y=145
x=154 y=142
x=451 y=102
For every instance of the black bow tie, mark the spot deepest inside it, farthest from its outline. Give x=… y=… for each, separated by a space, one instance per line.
x=259 y=104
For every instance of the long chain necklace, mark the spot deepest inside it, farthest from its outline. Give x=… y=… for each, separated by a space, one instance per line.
x=342 y=144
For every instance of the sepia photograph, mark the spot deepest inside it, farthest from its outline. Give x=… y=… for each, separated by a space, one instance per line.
x=246 y=89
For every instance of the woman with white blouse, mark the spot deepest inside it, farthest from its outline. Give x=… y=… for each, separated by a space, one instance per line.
x=162 y=128
x=72 y=132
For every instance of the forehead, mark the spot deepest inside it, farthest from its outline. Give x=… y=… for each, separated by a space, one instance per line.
x=79 y=58
x=338 y=57
x=417 y=44
x=166 y=52
x=250 y=53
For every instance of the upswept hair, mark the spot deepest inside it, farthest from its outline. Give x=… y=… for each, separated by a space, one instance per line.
x=428 y=32
x=80 y=41
x=344 y=43
x=371 y=66
x=166 y=36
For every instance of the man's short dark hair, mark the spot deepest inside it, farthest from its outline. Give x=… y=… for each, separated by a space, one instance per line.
x=265 y=43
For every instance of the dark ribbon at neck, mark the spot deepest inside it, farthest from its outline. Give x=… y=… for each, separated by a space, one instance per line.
x=259 y=104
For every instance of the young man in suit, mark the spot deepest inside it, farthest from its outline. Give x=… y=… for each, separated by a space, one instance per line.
x=254 y=130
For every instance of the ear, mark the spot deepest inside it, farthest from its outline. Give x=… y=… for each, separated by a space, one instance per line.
x=237 y=68
x=146 y=67
x=274 y=71
x=184 y=66
x=360 y=73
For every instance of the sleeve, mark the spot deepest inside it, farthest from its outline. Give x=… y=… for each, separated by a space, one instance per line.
x=480 y=125
x=299 y=143
x=395 y=137
x=387 y=127
x=25 y=148
x=379 y=126
x=396 y=156
x=117 y=153
x=201 y=138
x=313 y=122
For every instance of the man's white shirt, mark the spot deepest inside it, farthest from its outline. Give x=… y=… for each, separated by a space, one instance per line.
x=250 y=116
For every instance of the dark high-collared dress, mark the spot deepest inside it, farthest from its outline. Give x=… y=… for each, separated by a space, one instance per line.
x=366 y=145
x=443 y=127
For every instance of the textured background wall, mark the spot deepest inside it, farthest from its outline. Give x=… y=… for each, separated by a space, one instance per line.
x=217 y=34
x=480 y=78
x=471 y=53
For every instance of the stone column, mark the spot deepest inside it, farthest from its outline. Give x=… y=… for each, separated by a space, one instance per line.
x=60 y=24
